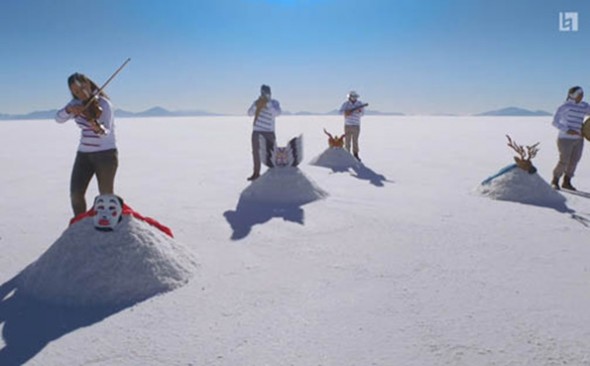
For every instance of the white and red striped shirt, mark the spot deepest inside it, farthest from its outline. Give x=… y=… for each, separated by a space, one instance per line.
x=266 y=119
x=570 y=116
x=354 y=119
x=90 y=141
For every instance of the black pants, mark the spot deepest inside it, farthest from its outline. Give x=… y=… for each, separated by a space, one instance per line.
x=270 y=141
x=103 y=164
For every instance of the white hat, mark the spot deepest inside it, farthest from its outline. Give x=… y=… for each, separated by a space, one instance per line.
x=352 y=94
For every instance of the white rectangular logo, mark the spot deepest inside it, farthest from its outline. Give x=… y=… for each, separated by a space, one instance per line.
x=568 y=22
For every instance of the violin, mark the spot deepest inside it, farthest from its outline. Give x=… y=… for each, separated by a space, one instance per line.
x=94 y=110
x=92 y=113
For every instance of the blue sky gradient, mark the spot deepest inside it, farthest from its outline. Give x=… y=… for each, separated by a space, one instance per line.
x=415 y=57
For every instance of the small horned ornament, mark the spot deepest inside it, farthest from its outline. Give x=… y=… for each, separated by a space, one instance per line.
x=335 y=141
x=523 y=161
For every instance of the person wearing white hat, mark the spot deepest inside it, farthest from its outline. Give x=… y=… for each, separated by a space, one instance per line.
x=570 y=142
x=353 y=110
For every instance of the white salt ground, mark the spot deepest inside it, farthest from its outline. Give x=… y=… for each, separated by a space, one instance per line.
x=415 y=271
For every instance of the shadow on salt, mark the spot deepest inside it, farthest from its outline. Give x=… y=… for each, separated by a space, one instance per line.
x=340 y=161
x=278 y=193
x=84 y=277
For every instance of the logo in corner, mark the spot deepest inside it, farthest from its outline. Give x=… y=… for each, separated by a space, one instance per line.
x=568 y=22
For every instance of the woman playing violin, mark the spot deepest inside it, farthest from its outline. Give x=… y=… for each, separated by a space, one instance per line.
x=92 y=111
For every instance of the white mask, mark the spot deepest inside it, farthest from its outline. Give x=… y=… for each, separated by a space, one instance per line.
x=108 y=212
x=282 y=156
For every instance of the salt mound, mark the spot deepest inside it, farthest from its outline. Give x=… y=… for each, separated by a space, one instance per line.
x=87 y=267
x=519 y=186
x=286 y=185
x=335 y=158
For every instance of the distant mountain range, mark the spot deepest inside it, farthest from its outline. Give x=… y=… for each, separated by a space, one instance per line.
x=514 y=111
x=120 y=113
x=162 y=112
x=335 y=112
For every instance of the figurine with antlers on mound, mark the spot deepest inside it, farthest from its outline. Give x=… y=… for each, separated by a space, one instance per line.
x=520 y=181
x=335 y=141
x=523 y=161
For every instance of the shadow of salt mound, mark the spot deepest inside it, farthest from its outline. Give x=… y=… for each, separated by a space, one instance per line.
x=516 y=185
x=86 y=267
x=340 y=161
x=30 y=325
x=83 y=278
x=278 y=193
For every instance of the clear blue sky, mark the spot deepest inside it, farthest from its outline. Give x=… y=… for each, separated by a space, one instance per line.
x=411 y=56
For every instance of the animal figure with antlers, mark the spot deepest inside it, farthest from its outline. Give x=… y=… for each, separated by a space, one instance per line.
x=335 y=141
x=523 y=161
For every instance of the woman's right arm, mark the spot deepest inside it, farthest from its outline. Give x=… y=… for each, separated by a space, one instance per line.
x=64 y=114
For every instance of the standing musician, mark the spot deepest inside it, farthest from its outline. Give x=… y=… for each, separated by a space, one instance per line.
x=570 y=142
x=264 y=109
x=97 y=152
x=353 y=110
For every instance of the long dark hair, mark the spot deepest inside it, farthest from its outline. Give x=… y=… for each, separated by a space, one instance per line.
x=81 y=78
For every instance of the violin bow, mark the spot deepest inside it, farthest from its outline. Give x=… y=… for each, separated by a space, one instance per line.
x=98 y=126
x=105 y=84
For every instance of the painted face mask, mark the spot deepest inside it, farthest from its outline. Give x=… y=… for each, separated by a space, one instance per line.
x=282 y=156
x=108 y=209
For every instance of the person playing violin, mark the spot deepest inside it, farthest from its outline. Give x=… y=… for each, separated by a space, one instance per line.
x=97 y=154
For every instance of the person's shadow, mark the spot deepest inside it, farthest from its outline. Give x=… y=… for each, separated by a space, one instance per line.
x=361 y=171
x=29 y=325
x=577 y=193
x=247 y=214
x=580 y=218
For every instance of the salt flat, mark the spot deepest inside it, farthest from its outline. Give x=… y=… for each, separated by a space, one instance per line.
x=402 y=263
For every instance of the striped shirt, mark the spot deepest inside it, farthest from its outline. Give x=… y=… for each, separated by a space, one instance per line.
x=266 y=119
x=570 y=116
x=355 y=118
x=90 y=141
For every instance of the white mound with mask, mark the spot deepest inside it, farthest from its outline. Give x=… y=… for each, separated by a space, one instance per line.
x=87 y=267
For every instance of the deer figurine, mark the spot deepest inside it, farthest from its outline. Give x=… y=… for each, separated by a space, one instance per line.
x=523 y=161
x=334 y=141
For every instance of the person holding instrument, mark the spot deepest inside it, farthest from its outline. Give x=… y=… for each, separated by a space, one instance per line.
x=570 y=142
x=264 y=109
x=92 y=111
x=353 y=110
